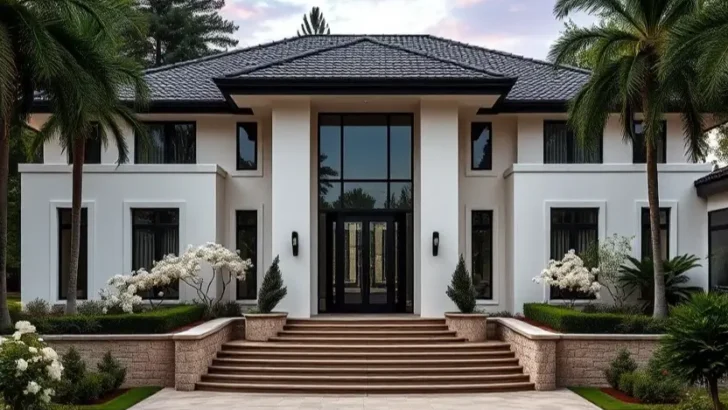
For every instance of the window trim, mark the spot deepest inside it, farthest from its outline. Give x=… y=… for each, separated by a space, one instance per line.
x=59 y=228
x=569 y=145
x=256 y=263
x=664 y=145
x=137 y=144
x=665 y=226
x=486 y=125
x=710 y=242
x=246 y=124
x=497 y=259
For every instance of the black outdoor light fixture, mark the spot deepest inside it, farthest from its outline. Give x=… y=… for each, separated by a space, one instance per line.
x=294 y=243
x=435 y=242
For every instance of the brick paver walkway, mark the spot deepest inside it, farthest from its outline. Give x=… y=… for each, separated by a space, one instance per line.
x=169 y=399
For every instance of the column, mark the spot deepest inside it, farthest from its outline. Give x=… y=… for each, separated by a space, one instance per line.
x=438 y=204
x=291 y=202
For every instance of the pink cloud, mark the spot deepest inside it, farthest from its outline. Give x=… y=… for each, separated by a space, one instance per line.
x=240 y=11
x=467 y=3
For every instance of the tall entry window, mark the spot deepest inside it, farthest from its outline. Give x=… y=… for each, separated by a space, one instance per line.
x=155 y=234
x=64 y=254
x=572 y=228
x=365 y=205
x=718 y=249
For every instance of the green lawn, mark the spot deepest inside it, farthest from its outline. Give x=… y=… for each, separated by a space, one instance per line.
x=122 y=402
x=607 y=402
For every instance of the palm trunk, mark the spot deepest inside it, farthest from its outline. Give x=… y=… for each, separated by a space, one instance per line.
x=715 y=394
x=79 y=150
x=653 y=198
x=5 y=321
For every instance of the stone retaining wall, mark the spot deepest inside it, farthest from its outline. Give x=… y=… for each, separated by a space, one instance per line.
x=195 y=349
x=538 y=357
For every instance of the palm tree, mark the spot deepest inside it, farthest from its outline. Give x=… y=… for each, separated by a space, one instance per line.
x=37 y=49
x=90 y=107
x=629 y=46
x=314 y=23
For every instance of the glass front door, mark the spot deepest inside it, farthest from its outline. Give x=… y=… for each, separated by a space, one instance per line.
x=366 y=268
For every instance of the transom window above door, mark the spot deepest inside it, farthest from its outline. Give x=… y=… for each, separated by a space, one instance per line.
x=365 y=161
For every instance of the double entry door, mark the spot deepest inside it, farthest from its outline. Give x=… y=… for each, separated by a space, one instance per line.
x=366 y=262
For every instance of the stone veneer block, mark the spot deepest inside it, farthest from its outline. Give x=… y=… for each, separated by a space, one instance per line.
x=195 y=348
x=471 y=326
x=259 y=327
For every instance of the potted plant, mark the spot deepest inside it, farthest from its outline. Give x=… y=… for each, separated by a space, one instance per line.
x=468 y=323
x=262 y=323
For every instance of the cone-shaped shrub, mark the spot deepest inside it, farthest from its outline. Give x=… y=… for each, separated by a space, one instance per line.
x=461 y=290
x=272 y=290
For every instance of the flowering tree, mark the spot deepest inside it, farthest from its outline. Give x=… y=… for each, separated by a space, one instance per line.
x=609 y=255
x=570 y=274
x=29 y=369
x=226 y=265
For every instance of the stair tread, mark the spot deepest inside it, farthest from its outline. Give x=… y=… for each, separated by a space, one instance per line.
x=366 y=354
x=366 y=369
x=245 y=343
x=367 y=387
x=367 y=325
x=348 y=339
x=320 y=361
x=367 y=377
x=367 y=332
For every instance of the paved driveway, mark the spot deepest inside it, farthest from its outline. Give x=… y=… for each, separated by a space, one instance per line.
x=169 y=399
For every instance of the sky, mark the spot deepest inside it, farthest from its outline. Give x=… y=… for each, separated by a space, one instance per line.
x=523 y=27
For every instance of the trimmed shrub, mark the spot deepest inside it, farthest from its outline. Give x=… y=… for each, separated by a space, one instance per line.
x=37 y=308
x=80 y=386
x=695 y=401
x=651 y=390
x=90 y=388
x=91 y=308
x=228 y=308
x=58 y=310
x=569 y=320
x=621 y=364
x=162 y=320
x=111 y=367
x=626 y=383
x=272 y=290
x=461 y=290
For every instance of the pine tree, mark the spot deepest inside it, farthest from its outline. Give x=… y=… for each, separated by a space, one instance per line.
x=461 y=290
x=272 y=290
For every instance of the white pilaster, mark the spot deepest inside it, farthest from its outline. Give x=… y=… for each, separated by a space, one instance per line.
x=291 y=204
x=438 y=203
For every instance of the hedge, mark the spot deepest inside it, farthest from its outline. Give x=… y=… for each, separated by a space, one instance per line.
x=162 y=320
x=569 y=320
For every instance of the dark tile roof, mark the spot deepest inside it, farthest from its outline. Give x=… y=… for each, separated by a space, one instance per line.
x=351 y=56
x=717 y=175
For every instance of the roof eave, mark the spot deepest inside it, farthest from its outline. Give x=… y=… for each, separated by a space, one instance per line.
x=169 y=107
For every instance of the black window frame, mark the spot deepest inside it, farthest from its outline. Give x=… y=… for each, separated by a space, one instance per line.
x=82 y=254
x=241 y=224
x=571 y=144
x=249 y=126
x=712 y=228
x=646 y=233
x=157 y=227
x=488 y=227
x=573 y=230
x=639 y=151
x=476 y=130
x=169 y=133
x=93 y=147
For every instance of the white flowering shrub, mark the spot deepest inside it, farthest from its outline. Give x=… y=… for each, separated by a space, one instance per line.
x=570 y=274
x=29 y=370
x=123 y=290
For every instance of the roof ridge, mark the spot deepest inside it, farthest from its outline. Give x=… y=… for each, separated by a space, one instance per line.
x=218 y=55
x=512 y=55
x=290 y=58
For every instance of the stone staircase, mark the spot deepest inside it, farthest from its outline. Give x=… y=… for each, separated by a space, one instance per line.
x=345 y=356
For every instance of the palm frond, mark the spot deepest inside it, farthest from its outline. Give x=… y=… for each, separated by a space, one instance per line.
x=608 y=9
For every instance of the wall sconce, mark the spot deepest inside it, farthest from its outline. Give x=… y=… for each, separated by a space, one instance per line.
x=294 y=243
x=435 y=242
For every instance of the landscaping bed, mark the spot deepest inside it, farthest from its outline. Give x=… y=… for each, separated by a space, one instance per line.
x=122 y=401
x=570 y=320
x=606 y=401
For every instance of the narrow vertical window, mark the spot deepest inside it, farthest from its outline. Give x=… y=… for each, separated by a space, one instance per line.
x=718 y=249
x=646 y=237
x=247 y=146
x=167 y=143
x=481 y=146
x=155 y=234
x=92 y=151
x=64 y=254
x=639 y=151
x=562 y=147
x=572 y=228
x=482 y=253
x=246 y=242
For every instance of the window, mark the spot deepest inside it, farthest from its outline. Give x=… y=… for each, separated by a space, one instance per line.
x=561 y=146
x=92 y=152
x=572 y=228
x=246 y=242
x=639 y=152
x=646 y=237
x=168 y=143
x=247 y=146
x=481 y=146
x=64 y=254
x=155 y=233
x=482 y=253
x=718 y=249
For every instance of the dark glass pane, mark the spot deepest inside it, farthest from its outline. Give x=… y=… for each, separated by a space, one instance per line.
x=377 y=262
x=246 y=241
x=639 y=153
x=572 y=228
x=353 y=232
x=556 y=144
x=168 y=143
x=247 y=146
x=482 y=146
x=400 y=145
x=718 y=218
x=330 y=147
x=155 y=234
x=151 y=152
x=718 y=258
x=400 y=195
x=646 y=237
x=329 y=194
x=365 y=147
x=363 y=195
x=64 y=254
x=182 y=145
x=482 y=256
